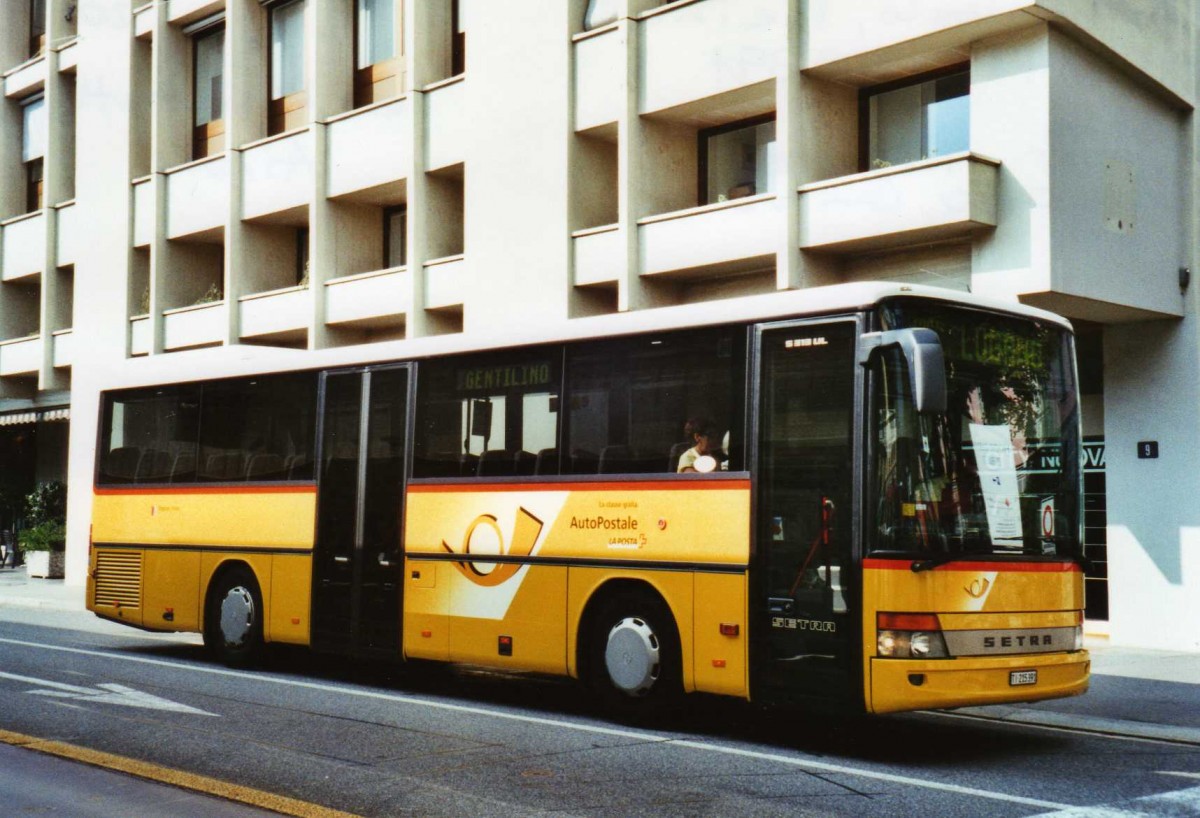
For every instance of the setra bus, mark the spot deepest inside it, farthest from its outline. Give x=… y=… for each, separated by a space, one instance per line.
x=882 y=507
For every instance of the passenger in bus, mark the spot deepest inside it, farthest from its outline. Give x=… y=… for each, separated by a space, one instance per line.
x=702 y=433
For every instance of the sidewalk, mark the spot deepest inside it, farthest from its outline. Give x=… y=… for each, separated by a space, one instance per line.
x=18 y=590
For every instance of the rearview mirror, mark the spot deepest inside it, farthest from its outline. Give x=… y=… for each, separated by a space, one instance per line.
x=922 y=351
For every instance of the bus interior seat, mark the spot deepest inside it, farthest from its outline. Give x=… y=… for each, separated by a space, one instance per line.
x=524 y=463
x=468 y=464
x=617 y=459
x=183 y=467
x=263 y=464
x=223 y=466
x=676 y=452
x=496 y=463
x=154 y=466
x=122 y=462
x=546 y=461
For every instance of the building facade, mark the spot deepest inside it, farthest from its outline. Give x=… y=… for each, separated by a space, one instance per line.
x=187 y=177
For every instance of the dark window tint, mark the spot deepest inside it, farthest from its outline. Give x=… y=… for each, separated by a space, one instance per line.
x=632 y=402
x=489 y=415
x=258 y=429
x=149 y=436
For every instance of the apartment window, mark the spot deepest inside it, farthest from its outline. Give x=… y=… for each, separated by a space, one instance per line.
x=458 y=37
x=377 y=66
x=921 y=118
x=737 y=160
x=302 y=257
x=33 y=149
x=207 y=92
x=395 y=237
x=37 y=27
x=288 y=99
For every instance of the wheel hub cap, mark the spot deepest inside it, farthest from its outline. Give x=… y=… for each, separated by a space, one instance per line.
x=632 y=656
x=237 y=616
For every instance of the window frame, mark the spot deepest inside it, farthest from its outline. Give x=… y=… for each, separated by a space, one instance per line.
x=34 y=169
x=702 y=140
x=458 y=41
x=390 y=213
x=203 y=135
x=37 y=41
x=368 y=77
x=867 y=92
x=281 y=110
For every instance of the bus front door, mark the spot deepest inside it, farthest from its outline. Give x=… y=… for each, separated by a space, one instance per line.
x=357 y=563
x=806 y=632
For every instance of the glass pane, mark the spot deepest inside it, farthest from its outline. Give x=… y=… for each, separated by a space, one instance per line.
x=287 y=49
x=34 y=130
x=740 y=162
x=999 y=471
x=150 y=436
x=488 y=415
x=637 y=406
x=947 y=115
x=919 y=121
x=37 y=19
x=376 y=32
x=397 y=237
x=210 y=55
x=259 y=429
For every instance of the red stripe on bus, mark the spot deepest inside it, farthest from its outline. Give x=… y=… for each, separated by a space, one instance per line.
x=1028 y=567
x=215 y=490
x=649 y=485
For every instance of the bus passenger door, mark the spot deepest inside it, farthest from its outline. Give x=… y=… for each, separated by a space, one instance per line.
x=357 y=563
x=806 y=630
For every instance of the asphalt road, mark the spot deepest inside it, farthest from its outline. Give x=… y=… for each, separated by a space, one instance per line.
x=378 y=740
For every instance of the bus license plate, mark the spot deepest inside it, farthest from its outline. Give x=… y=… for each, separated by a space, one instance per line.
x=1022 y=677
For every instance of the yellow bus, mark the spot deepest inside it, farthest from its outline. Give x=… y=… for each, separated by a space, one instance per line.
x=866 y=495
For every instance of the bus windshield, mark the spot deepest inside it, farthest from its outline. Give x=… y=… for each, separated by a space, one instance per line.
x=999 y=472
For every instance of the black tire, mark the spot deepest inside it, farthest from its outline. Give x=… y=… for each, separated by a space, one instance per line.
x=634 y=663
x=233 y=622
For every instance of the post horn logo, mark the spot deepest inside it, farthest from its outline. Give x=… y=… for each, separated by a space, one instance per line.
x=978 y=588
x=524 y=537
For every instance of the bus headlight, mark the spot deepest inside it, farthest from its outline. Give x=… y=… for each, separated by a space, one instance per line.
x=910 y=636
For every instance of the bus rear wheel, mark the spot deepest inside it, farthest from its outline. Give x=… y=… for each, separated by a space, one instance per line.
x=233 y=628
x=634 y=663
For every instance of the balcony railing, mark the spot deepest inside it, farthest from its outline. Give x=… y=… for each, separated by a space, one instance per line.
x=447 y=124
x=25 y=79
x=445 y=282
x=729 y=237
x=139 y=335
x=21 y=356
x=378 y=298
x=24 y=240
x=67 y=236
x=935 y=199
x=599 y=255
x=370 y=149
x=599 y=65
x=200 y=325
x=197 y=199
x=143 y=212
x=277 y=174
x=273 y=313
x=64 y=348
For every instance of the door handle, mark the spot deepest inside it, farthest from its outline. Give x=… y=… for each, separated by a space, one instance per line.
x=781 y=605
x=341 y=559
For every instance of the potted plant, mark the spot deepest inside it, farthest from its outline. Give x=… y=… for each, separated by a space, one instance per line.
x=44 y=541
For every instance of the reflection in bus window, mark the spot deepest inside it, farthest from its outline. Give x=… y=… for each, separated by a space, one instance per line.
x=492 y=415
x=629 y=399
x=149 y=436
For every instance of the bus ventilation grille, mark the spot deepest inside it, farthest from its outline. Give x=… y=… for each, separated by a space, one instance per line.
x=119 y=579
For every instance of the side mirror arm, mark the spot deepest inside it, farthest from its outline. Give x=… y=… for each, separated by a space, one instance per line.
x=922 y=351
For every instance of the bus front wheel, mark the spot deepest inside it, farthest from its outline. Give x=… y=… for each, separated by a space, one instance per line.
x=634 y=663
x=233 y=628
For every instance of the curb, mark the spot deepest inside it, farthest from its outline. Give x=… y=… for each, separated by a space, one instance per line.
x=1122 y=728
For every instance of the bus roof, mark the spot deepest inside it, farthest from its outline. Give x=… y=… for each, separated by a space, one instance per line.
x=836 y=299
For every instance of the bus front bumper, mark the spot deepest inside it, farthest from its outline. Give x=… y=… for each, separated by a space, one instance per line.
x=904 y=684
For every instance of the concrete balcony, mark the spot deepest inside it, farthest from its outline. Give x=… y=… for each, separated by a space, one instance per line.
x=948 y=197
x=599 y=66
x=717 y=239
x=187 y=11
x=139 y=335
x=599 y=255
x=368 y=300
x=68 y=57
x=697 y=50
x=24 y=241
x=27 y=78
x=143 y=211
x=21 y=356
x=445 y=282
x=67 y=236
x=447 y=123
x=197 y=201
x=278 y=313
x=195 y=326
x=277 y=176
x=143 y=21
x=370 y=152
x=64 y=348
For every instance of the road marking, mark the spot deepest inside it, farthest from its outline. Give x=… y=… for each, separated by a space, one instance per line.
x=1165 y=804
x=106 y=694
x=801 y=763
x=1111 y=729
x=176 y=778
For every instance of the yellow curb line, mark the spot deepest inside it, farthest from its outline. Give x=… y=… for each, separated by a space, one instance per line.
x=176 y=778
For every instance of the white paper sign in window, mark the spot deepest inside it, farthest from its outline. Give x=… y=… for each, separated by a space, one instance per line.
x=998 y=477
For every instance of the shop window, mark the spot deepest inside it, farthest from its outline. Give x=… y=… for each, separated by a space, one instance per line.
x=33 y=150
x=208 y=107
x=37 y=27
x=917 y=119
x=395 y=237
x=635 y=406
x=288 y=100
x=378 y=69
x=490 y=415
x=737 y=160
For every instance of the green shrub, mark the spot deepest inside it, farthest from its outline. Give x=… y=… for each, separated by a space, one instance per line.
x=46 y=504
x=47 y=536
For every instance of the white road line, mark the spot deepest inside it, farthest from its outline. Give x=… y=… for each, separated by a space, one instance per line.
x=801 y=763
x=1165 y=804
